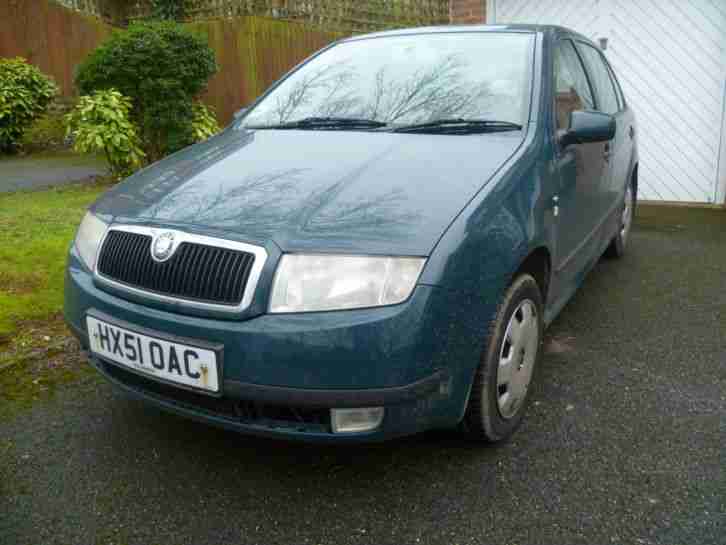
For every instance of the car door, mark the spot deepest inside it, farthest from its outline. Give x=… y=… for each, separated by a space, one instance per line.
x=617 y=150
x=580 y=169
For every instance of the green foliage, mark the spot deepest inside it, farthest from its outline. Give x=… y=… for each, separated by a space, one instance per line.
x=100 y=123
x=204 y=123
x=46 y=132
x=25 y=93
x=161 y=66
x=168 y=10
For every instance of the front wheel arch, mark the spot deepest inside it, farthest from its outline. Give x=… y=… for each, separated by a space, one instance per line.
x=538 y=264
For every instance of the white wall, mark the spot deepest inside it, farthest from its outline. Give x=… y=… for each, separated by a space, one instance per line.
x=721 y=186
x=670 y=57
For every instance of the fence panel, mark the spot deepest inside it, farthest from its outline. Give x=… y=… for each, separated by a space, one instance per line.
x=49 y=36
x=252 y=53
x=331 y=15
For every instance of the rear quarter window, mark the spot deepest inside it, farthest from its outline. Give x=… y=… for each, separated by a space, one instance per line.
x=599 y=72
x=618 y=88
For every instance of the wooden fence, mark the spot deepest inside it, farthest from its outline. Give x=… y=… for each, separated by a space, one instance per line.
x=336 y=15
x=49 y=36
x=252 y=51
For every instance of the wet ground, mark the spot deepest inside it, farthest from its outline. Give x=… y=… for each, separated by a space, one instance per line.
x=47 y=169
x=623 y=443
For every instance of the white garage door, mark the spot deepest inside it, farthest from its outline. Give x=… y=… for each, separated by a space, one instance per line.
x=670 y=57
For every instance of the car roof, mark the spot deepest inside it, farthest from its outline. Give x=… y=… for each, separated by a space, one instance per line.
x=551 y=30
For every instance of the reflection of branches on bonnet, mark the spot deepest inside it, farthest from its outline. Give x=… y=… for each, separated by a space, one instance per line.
x=156 y=182
x=326 y=211
x=361 y=215
x=260 y=197
x=184 y=166
x=272 y=199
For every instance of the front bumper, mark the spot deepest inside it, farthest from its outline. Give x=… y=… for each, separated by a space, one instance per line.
x=406 y=358
x=403 y=417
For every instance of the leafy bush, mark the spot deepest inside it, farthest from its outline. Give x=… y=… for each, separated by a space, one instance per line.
x=161 y=66
x=100 y=123
x=25 y=93
x=170 y=10
x=204 y=123
x=46 y=132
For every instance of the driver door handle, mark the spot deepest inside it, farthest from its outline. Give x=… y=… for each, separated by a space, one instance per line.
x=606 y=152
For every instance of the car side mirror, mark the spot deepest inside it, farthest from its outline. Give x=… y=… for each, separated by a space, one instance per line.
x=240 y=113
x=588 y=126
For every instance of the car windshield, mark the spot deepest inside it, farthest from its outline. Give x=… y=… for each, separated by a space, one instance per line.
x=402 y=81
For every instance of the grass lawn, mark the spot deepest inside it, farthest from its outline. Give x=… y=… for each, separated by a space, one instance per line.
x=36 y=230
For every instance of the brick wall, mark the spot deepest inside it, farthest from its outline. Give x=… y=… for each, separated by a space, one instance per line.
x=467 y=11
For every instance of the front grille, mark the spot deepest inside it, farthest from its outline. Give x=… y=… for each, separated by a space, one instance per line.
x=196 y=271
x=302 y=419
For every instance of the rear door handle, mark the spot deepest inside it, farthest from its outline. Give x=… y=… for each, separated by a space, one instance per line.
x=606 y=152
x=631 y=132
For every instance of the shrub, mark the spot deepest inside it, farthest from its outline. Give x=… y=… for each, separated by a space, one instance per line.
x=204 y=123
x=46 y=132
x=100 y=124
x=25 y=93
x=161 y=66
x=170 y=10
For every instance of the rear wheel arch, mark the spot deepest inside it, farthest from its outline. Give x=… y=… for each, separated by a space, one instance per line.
x=634 y=178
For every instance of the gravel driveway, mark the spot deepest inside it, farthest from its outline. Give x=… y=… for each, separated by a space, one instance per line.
x=623 y=444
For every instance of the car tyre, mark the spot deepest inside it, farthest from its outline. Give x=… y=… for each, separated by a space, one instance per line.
x=618 y=244
x=502 y=383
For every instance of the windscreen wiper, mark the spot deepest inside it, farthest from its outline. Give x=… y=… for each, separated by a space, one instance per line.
x=461 y=125
x=334 y=123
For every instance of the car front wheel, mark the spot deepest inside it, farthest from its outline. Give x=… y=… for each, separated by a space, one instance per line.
x=501 y=387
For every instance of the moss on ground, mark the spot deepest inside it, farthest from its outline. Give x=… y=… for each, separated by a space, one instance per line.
x=41 y=357
x=37 y=354
x=684 y=219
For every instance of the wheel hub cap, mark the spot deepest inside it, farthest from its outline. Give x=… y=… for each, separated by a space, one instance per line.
x=517 y=358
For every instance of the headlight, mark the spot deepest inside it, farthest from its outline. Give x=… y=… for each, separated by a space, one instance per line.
x=88 y=238
x=306 y=283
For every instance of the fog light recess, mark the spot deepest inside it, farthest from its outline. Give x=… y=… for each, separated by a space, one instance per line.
x=356 y=420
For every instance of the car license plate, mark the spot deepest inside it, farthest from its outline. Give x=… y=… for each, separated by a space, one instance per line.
x=164 y=360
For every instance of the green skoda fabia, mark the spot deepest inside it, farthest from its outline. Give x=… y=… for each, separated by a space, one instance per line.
x=371 y=249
